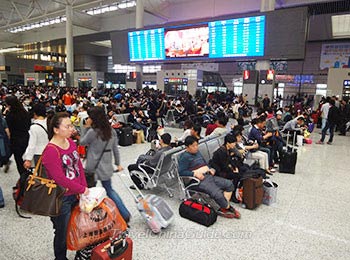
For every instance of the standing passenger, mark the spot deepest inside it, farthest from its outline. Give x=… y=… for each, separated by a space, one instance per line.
x=100 y=139
x=62 y=164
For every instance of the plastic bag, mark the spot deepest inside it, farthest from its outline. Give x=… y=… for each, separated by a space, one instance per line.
x=102 y=223
x=88 y=202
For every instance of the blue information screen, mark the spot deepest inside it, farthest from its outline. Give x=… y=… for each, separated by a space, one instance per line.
x=146 y=45
x=237 y=37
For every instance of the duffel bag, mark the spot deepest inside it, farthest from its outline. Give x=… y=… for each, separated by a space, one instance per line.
x=198 y=212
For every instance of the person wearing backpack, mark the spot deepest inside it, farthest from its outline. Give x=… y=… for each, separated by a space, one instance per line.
x=38 y=138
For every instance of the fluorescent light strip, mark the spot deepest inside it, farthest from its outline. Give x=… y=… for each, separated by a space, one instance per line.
x=10 y=50
x=42 y=23
x=110 y=8
x=61 y=19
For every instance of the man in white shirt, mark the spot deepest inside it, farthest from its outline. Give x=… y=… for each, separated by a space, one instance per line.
x=324 y=111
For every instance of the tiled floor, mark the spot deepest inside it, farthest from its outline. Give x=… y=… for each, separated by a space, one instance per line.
x=310 y=220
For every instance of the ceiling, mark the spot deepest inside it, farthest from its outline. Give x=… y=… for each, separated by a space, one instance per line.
x=15 y=13
x=19 y=12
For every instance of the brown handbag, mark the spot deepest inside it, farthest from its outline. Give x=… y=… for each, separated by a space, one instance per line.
x=42 y=196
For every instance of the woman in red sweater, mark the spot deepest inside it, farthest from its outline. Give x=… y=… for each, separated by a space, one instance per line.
x=63 y=165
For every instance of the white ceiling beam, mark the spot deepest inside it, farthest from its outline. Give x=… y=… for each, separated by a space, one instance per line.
x=18 y=12
x=30 y=9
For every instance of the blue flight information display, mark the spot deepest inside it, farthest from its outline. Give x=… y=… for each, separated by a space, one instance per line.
x=237 y=37
x=146 y=45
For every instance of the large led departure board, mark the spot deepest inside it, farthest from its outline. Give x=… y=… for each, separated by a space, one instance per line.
x=237 y=37
x=146 y=45
x=241 y=37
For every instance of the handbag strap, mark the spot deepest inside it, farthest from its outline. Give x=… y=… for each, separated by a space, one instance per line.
x=99 y=159
x=38 y=167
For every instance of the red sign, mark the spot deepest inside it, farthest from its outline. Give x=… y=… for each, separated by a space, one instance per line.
x=246 y=74
x=270 y=74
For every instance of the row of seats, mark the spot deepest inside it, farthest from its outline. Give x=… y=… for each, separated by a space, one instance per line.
x=165 y=174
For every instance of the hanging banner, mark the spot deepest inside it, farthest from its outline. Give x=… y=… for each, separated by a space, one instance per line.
x=335 y=55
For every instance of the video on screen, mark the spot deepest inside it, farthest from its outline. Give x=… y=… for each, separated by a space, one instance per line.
x=191 y=42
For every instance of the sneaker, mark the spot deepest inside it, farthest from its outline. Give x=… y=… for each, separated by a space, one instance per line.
x=329 y=142
x=235 y=212
x=275 y=166
x=272 y=170
x=319 y=142
x=225 y=213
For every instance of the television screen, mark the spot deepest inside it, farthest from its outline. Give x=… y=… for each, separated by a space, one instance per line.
x=146 y=45
x=240 y=37
x=185 y=43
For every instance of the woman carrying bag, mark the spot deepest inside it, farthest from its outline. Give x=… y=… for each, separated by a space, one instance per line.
x=102 y=143
x=63 y=165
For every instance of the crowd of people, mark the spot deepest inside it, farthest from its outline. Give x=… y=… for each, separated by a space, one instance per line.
x=49 y=122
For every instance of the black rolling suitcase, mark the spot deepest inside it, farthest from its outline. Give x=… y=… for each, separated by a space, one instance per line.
x=126 y=138
x=288 y=157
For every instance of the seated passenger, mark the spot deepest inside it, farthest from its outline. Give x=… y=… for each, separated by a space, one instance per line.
x=152 y=160
x=247 y=147
x=179 y=113
x=187 y=132
x=196 y=131
x=257 y=134
x=224 y=164
x=136 y=121
x=221 y=127
x=149 y=159
x=294 y=125
x=192 y=164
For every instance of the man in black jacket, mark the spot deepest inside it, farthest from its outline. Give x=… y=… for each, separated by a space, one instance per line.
x=332 y=121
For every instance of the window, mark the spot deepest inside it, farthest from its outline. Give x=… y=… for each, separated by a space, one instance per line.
x=341 y=25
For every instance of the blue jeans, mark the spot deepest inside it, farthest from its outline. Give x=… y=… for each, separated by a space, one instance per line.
x=331 y=127
x=60 y=225
x=117 y=200
x=324 y=122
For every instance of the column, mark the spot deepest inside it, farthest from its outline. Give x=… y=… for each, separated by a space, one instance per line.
x=266 y=6
x=139 y=24
x=69 y=46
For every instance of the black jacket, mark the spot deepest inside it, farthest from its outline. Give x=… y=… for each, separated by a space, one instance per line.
x=222 y=163
x=333 y=115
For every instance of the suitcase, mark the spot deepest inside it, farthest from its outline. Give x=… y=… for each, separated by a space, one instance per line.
x=153 y=209
x=117 y=249
x=253 y=192
x=288 y=158
x=126 y=137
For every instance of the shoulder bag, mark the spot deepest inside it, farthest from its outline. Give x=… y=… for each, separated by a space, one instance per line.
x=42 y=196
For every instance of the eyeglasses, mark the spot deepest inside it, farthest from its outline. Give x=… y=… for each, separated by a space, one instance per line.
x=68 y=126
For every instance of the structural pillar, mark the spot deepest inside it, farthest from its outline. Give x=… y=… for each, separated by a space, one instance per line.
x=262 y=89
x=139 y=24
x=69 y=46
